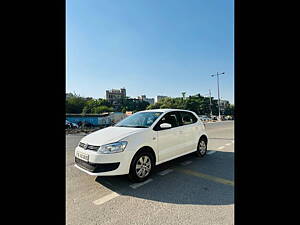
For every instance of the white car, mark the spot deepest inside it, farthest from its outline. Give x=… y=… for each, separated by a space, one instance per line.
x=204 y=118
x=141 y=141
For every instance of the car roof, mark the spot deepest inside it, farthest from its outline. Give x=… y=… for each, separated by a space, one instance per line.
x=164 y=110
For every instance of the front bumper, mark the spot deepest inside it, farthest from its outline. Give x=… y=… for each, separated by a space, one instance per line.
x=104 y=164
x=96 y=167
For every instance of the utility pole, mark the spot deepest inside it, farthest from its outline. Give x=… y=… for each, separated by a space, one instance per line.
x=218 y=74
x=210 y=105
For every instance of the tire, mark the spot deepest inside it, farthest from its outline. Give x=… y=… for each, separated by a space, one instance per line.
x=141 y=166
x=201 y=147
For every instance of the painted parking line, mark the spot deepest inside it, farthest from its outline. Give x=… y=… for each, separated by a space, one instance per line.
x=205 y=176
x=106 y=198
x=221 y=147
x=186 y=163
x=228 y=144
x=210 y=152
x=164 y=172
x=137 y=185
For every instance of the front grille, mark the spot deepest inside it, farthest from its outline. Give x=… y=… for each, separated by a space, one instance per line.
x=88 y=147
x=96 y=167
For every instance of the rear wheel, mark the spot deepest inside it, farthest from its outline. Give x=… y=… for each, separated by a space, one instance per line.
x=201 y=148
x=141 y=167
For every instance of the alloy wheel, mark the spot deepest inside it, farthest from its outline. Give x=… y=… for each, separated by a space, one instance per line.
x=202 y=147
x=143 y=166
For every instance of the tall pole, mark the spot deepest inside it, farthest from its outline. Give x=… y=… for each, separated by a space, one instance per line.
x=219 y=96
x=218 y=74
x=210 y=104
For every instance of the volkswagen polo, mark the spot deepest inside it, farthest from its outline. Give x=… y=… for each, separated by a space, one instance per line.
x=141 y=141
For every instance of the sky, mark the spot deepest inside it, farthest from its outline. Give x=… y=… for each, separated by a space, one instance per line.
x=150 y=47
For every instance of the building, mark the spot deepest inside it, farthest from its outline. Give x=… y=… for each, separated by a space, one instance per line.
x=159 y=97
x=149 y=100
x=114 y=96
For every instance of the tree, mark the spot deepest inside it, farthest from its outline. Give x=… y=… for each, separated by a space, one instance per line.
x=74 y=103
x=229 y=110
x=197 y=103
x=92 y=104
x=102 y=109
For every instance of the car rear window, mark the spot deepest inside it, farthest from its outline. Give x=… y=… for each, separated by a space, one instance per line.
x=187 y=118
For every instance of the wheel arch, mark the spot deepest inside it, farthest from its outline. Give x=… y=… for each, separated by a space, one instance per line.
x=147 y=149
x=204 y=137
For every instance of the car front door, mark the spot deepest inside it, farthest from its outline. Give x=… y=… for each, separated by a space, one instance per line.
x=169 y=141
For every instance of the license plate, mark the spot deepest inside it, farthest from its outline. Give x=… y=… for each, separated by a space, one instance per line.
x=84 y=157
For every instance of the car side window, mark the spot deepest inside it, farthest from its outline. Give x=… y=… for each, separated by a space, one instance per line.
x=187 y=118
x=170 y=118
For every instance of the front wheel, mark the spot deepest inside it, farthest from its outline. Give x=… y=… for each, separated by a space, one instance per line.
x=141 y=167
x=201 y=148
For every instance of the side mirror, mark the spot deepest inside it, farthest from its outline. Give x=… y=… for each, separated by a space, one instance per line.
x=165 y=125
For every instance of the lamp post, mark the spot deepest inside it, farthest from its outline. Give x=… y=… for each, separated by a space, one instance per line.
x=218 y=74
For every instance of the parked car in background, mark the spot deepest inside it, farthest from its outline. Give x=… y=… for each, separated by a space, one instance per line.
x=70 y=125
x=228 y=117
x=204 y=118
x=138 y=143
x=214 y=118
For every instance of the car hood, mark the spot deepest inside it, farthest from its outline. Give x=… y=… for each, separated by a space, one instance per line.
x=109 y=135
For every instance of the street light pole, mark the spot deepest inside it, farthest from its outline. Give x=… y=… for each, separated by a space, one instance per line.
x=218 y=74
x=210 y=104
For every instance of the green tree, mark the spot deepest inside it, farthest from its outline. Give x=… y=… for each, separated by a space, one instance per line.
x=92 y=104
x=74 y=103
x=229 y=110
x=102 y=109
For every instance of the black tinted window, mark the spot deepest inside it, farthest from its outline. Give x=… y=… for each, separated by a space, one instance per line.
x=170 y=118
x=187 y=118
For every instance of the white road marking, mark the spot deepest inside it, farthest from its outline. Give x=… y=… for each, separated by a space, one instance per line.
x=106 y=198
x=186 y=163
x=221 y=147
x=137 y=185
x=228 y=144
x=232 y=141
x=210 y=152
x=165 y=172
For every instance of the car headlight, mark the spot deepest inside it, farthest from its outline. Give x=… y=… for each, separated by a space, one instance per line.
x=113 y=147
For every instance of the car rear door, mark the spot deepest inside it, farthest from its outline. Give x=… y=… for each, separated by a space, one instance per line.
x=169 y=141
x=190 y=131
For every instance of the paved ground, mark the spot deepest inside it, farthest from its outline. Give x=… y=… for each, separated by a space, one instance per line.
x=187 y=190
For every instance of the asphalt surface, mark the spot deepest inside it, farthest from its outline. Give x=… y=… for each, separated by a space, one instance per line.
x=187 y=190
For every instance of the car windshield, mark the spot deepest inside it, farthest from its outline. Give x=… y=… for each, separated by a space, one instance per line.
x=139 y=120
